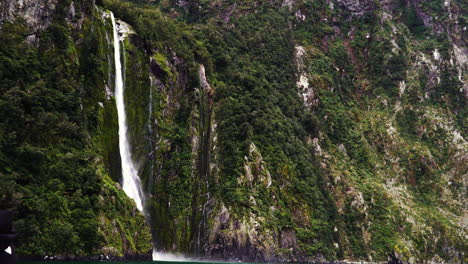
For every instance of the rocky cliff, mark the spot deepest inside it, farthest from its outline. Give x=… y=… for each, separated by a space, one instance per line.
x=57 y=119
x=262 y=130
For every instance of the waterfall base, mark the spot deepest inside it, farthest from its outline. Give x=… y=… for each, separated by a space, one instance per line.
x=159 y=256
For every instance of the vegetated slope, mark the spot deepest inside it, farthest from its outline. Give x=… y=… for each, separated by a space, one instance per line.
x=269 y=131
x=53 y=73
x=374 y=157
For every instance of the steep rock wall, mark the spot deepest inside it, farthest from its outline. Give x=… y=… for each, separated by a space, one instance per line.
x=281 y=130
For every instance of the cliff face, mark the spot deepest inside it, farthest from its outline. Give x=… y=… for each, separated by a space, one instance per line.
x=38 y=14
x=373 y=76
x=57 y=130
x=262 y=130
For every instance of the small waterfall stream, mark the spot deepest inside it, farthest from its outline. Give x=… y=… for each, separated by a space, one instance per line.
x=131 y=181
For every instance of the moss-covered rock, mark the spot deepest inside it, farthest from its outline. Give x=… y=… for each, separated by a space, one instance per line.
x=262 y=130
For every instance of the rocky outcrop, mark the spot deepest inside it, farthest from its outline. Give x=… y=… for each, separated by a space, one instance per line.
x=428 y=20
x=357 y=7
x=243 y=239
x=255 y=169
x=461 y=59
x=203 y=81
x=36 y=13
x=305 y=89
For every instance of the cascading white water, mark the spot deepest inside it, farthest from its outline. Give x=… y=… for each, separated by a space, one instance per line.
x=131 y=181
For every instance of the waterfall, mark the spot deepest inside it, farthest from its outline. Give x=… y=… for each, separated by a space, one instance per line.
x=131 y=181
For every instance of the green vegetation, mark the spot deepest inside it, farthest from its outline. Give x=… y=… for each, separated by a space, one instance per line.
x=240 y=165
x=50 y=157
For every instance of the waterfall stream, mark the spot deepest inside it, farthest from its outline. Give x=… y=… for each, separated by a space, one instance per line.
x=131 y=181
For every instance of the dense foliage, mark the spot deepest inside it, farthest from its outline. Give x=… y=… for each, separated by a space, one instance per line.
x=318 y=133
x=51 y=169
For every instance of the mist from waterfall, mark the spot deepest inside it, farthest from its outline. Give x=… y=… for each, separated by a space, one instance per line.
x=131 y=181
x=159 y=256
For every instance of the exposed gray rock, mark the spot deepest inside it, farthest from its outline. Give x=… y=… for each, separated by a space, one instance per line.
x=203 y=81
x=37 y=13
x=289 y=3
x=288 y=238
x=357 y=7
x=428 y=20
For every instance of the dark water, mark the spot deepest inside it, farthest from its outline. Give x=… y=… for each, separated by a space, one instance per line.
x=159 y=262
x=168 y=262
x=129 y=262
